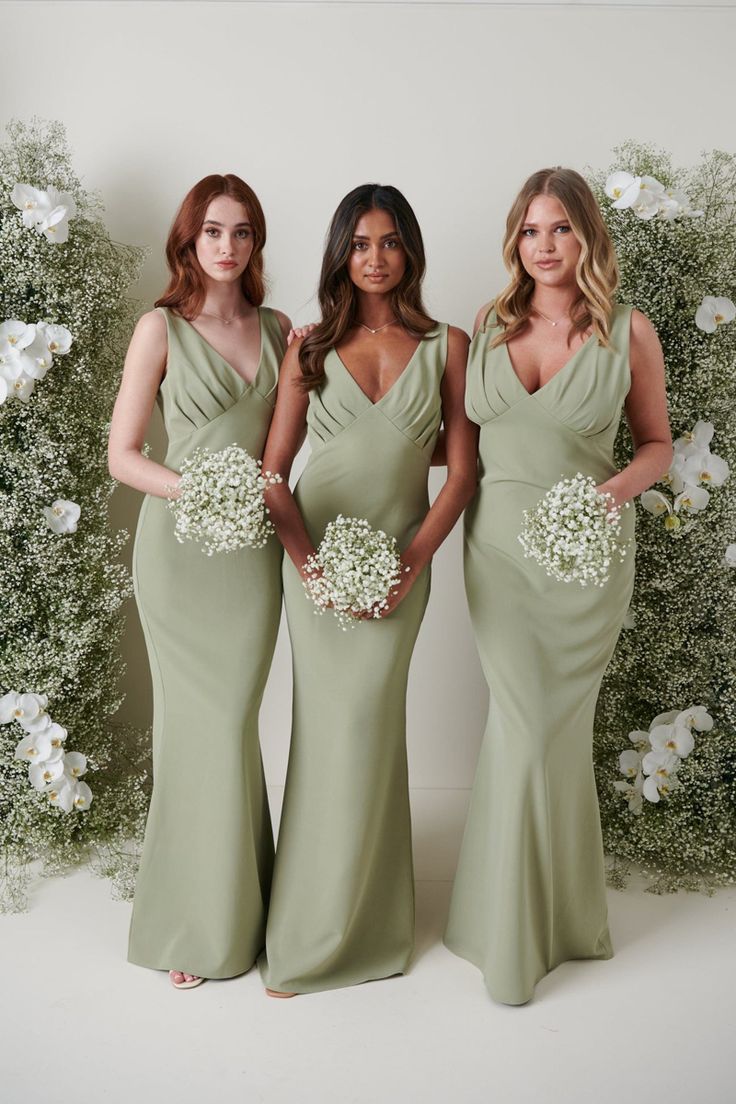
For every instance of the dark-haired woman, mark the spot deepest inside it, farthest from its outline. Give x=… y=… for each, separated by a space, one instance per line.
x=371 y=385
x=209 y=356
x=553 y=362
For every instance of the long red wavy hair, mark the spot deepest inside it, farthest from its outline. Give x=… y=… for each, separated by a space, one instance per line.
x=186 y=290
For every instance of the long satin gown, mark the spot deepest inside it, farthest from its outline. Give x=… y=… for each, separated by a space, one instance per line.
x=210 y=624
x=342 y=905
x=530 y=888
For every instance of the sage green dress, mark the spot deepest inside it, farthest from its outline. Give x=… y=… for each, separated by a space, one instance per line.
x=530 y=889
x=342 y=905
x=210 y=624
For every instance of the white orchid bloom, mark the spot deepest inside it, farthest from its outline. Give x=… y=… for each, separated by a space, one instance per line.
x=75 y=764
x=706 y=467
x=21 y=388
x=32 y=202
x=669 y=207
x=11 y=364
x=9 y=703
x=655 y=503
x=55 y=223
x=654 y=788
x=697 y=716
x=646 y=204
x=676 y=738
x=15 y=334
x=43 y=774
x=81 y=796
x=660 y=764
x=633 y=792
x=691 y=499
x=62 y=516
x=639 y=739
x=3 y=389
x=57 y=339
x=34 y=748
x=674 y=477
x=623 y=189
x=730 y=555
x=629 y=763
x=701 y=434
x=61 y=793
x=664 y=718
x=714 y=311
x=57 y=734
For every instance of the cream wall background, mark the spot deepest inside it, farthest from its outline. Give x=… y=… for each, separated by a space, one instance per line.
x=453 y=103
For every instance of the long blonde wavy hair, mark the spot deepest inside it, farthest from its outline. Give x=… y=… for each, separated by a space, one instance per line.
x=596 y=270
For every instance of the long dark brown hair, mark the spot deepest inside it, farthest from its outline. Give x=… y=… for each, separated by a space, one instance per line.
x=597 y=269
x=186 y=291
x=337 y=294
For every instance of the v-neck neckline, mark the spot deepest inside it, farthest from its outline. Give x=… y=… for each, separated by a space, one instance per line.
x=227 y=363
x=568 y=362
x=398 y=379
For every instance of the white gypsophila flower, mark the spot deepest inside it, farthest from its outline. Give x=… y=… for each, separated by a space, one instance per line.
x=574 y=533
x=221 y=502
x=353 y=571
x=62 y=515
x=714 y=311
x=729 y=557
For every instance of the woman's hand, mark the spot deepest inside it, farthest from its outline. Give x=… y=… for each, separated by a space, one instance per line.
x=299 y=331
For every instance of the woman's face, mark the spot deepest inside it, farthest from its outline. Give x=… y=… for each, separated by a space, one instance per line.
x=225 y=243
x=377 y=257
x=548 y=249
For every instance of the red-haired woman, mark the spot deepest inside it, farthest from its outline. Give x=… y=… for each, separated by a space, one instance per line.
x=209 y=356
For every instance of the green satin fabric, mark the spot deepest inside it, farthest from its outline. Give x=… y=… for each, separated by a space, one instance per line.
x=210 y=624
x=530 y=889
x=342 y=905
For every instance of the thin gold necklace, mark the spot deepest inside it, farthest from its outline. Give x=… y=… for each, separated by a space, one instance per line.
x=384 y=327
x=546 y=319
x=225 y=321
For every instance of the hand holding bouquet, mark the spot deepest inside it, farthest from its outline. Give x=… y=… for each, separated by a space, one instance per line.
x=574 y=532
x=353 y=571
x=220 y=503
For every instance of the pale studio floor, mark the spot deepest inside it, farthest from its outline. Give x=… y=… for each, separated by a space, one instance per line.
x=78 y=1024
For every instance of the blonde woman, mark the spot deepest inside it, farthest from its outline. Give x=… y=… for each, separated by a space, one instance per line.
x=552 y=363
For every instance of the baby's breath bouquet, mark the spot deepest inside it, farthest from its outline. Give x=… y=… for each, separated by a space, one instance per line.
x=221 y=503
x=574 y=533
x=353 y=571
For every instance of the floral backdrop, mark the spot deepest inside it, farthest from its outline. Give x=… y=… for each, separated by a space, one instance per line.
x=74 y=785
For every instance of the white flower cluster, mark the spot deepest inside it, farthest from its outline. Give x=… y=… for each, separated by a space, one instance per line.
x=655 y=759
x=353 y=571
x=221 y=503
x=574 y=533
x=647 y=197
x=26 y=354
x=694 y=468
x=714 y=311
x=51 y=770
x=47 y=211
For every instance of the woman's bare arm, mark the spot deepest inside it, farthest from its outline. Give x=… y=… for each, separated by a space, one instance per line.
x=285 y=438
x=461 y=443
x=144 y=369
x=646 y=413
